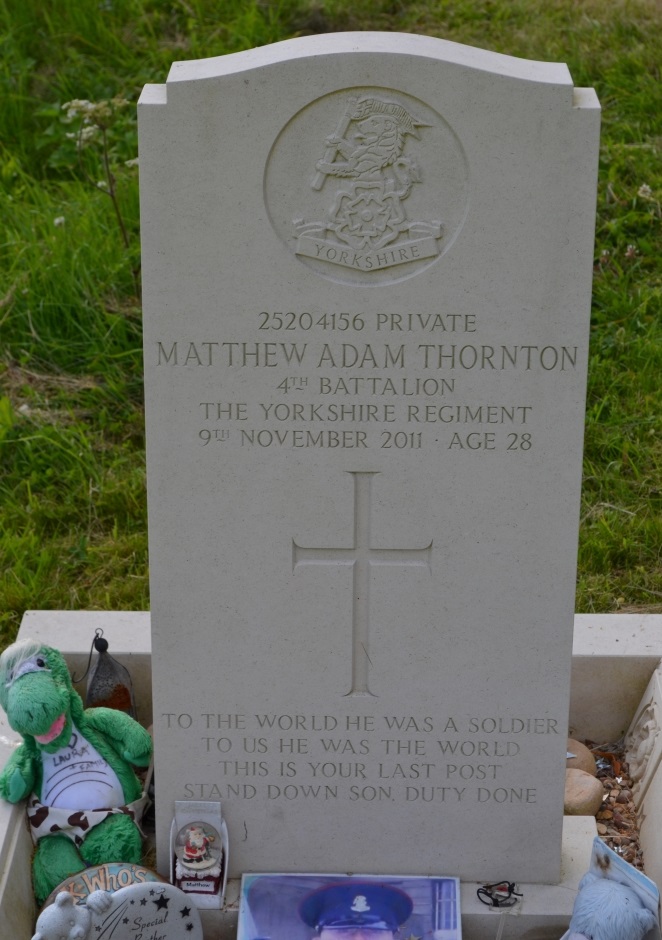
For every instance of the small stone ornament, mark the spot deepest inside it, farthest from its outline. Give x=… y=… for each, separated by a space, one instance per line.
x=147 y=911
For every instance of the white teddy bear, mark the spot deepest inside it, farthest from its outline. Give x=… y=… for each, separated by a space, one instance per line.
x=607 y=910
x=65 y=919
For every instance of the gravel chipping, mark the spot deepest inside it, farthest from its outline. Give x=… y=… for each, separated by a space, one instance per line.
x=617 y=820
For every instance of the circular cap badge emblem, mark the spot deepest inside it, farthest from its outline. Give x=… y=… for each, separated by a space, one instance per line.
x=367 y=186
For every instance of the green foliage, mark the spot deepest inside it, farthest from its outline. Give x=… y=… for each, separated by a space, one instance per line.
x=73 y=531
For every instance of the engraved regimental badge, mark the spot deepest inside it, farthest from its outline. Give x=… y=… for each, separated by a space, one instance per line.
x=367 y=185
x=371 y=175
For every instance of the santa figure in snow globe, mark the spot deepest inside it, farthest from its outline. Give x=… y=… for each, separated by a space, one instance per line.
x=196 y=852
x=198 y=858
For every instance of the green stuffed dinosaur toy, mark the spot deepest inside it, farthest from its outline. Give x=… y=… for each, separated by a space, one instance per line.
x=74 y=768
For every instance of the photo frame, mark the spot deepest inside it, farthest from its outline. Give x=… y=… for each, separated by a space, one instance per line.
x=304 y=906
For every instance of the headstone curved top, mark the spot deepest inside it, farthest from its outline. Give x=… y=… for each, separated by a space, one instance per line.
x=371 y=43
x=367 y=270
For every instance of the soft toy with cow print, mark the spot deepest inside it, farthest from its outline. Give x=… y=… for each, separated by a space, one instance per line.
x=73 y=767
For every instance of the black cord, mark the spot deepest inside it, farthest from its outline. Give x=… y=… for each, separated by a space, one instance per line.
x=499 y=894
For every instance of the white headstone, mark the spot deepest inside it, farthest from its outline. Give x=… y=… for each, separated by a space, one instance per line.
x=367 y=272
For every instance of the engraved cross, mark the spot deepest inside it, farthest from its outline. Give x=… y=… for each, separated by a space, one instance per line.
x=361 y=556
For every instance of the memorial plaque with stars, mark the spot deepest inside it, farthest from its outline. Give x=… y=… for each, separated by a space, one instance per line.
x=367 y=266
x=142 y=910
x=108 y=877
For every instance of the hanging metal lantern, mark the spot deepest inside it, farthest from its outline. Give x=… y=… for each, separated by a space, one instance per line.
x=109 y=684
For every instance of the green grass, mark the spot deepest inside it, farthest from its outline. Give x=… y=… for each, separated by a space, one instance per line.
x=73 y=531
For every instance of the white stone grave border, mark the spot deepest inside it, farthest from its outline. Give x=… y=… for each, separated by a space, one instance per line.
x=615 y=657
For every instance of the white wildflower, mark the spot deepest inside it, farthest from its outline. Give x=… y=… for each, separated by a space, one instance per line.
x=102 y=184
x=645 y=191
x=85 y=134
x=77 y=107
x=133 y=162
x=631 y=251
x=92 y=112
x=59 y=221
